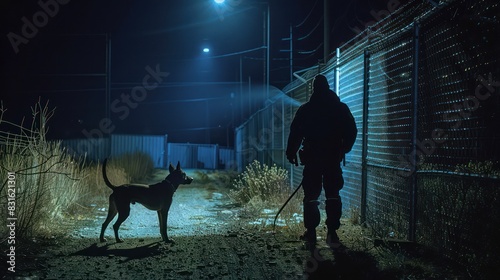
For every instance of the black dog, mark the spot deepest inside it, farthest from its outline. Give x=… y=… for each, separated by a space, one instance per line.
x=157 y=197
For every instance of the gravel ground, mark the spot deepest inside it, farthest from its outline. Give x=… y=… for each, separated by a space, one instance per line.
x=211 y=242
x=194 y=210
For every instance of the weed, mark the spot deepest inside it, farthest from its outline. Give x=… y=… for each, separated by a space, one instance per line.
x=354 y=215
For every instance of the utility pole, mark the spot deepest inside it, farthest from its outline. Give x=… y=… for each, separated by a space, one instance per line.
x=291 y=53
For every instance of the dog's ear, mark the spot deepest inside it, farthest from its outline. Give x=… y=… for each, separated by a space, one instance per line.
x=178 y=165
x=171 y=168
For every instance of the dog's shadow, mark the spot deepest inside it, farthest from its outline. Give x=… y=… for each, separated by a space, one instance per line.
x=119 y=250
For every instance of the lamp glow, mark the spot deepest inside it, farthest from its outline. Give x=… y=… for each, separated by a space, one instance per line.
x=219 y=1
x=206 y=50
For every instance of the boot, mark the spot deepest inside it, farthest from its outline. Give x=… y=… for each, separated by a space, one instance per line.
x=309 y=236
x=332 y=239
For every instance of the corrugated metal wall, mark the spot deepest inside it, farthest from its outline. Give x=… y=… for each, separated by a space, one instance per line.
x=116 y=145
x=154 y=146
x=91 y=149
x=227 y=158
x=351 y=93
x=204 y=156
x=201 y=156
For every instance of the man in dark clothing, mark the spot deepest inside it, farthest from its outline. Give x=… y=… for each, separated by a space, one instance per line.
x=326 y=129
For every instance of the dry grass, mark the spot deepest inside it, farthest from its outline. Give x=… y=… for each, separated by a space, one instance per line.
x=51 y=186
x=138 y=165
x=48 y=181
x=94 y=188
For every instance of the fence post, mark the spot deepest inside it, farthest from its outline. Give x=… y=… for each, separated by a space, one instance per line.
x=413 y=192
x=337 y=73
x=364 y=151
x=283 y=143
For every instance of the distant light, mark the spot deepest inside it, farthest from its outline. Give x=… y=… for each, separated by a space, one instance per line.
x=219 y=1
x=206 y=50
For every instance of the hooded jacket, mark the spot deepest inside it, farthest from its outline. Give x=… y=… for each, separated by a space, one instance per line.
x=323 y=125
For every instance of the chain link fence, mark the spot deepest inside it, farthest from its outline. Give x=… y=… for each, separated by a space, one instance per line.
x=424 y=89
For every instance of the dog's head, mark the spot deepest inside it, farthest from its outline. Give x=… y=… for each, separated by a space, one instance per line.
x=177 y=176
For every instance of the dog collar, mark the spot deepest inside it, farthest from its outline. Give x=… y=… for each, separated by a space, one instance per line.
x=168 y=182
x=172 y=185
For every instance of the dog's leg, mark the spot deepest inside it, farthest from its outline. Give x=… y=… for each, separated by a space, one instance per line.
x=163 y=219
x=161 y=223
x=112 y=211
x=123 y=213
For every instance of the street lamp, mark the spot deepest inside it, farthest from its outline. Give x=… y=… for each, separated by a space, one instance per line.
x=267 y=36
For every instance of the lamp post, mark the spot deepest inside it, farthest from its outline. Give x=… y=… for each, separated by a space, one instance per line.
x=266 y=39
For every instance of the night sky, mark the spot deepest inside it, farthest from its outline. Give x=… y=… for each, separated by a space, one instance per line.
x=55 y=51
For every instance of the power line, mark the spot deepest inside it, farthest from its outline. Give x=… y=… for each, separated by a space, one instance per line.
x=238 y=53
x=307 y=17
x=314 y=29
x=342 y=17
x=312 y=51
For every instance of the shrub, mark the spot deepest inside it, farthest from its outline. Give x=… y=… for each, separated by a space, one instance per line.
x=260 y=182
x=262 y=187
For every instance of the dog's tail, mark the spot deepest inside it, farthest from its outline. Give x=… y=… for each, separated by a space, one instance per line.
x=106 y=180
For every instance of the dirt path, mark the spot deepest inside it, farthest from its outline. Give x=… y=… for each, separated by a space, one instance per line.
x=211 y=243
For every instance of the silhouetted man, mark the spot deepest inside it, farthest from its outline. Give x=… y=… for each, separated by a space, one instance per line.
x=326 y=129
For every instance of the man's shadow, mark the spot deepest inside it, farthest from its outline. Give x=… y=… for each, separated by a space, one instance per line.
x=344 y=264
x=139 y=252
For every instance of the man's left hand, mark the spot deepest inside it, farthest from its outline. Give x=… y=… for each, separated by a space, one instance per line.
x=293 y=159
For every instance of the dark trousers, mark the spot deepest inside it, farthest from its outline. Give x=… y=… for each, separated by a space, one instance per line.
x=318 y=175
